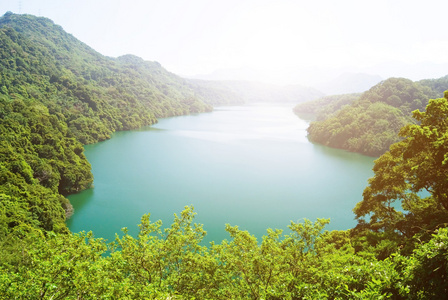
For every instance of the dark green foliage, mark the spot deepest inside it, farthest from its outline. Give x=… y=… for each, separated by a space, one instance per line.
x=39 y=161
x=370 y=124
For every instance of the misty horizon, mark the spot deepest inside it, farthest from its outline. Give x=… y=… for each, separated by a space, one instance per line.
x=286 y=42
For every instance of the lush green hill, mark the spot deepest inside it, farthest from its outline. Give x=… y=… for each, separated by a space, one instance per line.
x=349 y=83
x=369 y=124
x=252 y=91
x=56 y=94
x=215 y=92
x=95 y=95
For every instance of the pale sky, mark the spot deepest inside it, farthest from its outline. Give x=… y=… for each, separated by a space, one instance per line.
x=273 y=39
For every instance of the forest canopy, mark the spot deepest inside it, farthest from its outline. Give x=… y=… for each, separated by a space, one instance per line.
x=370 y=123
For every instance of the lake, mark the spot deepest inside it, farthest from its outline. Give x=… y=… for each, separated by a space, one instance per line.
x=250 y=166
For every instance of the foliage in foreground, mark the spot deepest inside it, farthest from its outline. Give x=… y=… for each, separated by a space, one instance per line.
x=171 y=263
x=407 y=197
x=392 y=253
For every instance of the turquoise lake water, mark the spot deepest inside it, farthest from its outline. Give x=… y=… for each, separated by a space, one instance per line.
x=250 y=166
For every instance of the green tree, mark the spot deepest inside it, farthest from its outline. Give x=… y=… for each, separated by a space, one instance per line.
x=370 y=123
x=408 y=193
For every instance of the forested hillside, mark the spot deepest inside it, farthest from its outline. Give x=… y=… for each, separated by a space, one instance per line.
x=93 y=94
x=370 y=124
x=57 y=94
x=251 y=91
x=399 y=250
x=348 y=83
x=324 y=107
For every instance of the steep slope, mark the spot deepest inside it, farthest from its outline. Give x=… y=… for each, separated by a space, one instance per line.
x=56 y=93
x=438 y=85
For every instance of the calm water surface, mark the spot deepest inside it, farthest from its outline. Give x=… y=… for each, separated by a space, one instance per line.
x=250 y=166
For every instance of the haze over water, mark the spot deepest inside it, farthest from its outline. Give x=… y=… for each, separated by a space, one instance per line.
x=250 y=166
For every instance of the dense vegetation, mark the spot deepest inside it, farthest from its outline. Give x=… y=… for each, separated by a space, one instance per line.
x=348 y=83
x=57 y=94
x=370 y=124
x=94 y=95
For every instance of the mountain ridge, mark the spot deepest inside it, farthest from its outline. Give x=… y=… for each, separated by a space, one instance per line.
x=368 y=123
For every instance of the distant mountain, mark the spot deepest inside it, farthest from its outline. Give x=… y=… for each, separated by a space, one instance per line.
x=331 y=80
x=328 y=83
x=326 y=106
x=414 y=71
x=348 y=83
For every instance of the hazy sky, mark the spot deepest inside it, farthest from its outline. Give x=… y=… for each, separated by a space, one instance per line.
x=274 y=38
